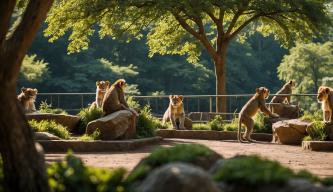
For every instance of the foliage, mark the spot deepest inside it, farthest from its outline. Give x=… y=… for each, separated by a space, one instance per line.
x=181 y=152
x=92 y=137
x=216 y=124
x=87 y=115
x=261 y=124
x=47 y=108
x=307 y=64
x=317 y=131
x=73 y=175
x=33 y=70
x=50 y=127
x=312 y=116
x=147 y=123
x=132 y=103
x=253 y=171
x=200 y=126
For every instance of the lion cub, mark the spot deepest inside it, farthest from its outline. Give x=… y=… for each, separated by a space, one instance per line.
x=175 y=112
x=101 y=88
x=27 y=99
x=325 y=97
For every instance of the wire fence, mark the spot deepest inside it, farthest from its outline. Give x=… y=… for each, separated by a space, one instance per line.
x=73 y=102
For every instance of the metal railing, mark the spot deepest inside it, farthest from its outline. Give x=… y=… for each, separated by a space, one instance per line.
x=73 y=102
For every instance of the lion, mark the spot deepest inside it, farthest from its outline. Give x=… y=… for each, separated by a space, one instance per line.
x=101 y=88
x=175 y=112
x=325 y=97
x=27 y=98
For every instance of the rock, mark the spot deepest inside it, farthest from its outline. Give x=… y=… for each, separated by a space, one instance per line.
x=302 y=185
x=118 y=125
x=329 y=130
x=286 y=111
x=178 y=177
x=289 y=131
x=69 y=121
x=188 y=123
x=45 y=136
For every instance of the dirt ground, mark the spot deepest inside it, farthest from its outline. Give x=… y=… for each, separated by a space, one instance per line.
x=319 y=163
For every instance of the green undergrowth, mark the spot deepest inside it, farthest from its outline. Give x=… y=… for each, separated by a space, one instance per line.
x=147 y=124
x=48 y=108
x=87 y=115
x=50 y=127
x=312 y=116
x=72 y=175
x=178 y=153
x=317 y=132
x=92 y=137
x=254 y=171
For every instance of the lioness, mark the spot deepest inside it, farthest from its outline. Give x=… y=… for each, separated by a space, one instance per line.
x=175 y=112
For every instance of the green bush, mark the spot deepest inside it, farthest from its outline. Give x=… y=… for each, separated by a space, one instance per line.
x=132 y=103
x=87 y=115
x=50 y=127
x=178 y=153
x=216 y=124
x=92 y=137
x=261 y=124
x=253 y=171
x=317 y=132
x=147 y=123
x=72 y=175
x=311 y=117
x=200 y=126
x=47 y=108
x=233 y=126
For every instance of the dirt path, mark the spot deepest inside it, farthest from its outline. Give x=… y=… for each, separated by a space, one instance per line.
x=319 y=163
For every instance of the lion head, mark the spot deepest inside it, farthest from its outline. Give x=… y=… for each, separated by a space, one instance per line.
x=29 y=93
x=176 y=100
x=102 y=85
x=262 y=92
x=323 y=93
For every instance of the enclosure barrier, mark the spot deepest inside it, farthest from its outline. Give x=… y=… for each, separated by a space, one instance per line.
x=73 y=102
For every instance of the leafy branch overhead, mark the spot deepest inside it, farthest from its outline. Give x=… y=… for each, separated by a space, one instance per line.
x=183 y=26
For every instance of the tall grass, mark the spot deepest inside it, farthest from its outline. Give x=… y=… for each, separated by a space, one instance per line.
x=50 y=127
x=87 y=115
x=44 y=107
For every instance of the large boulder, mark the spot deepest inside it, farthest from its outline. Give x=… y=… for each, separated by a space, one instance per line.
x=69 y=121
x=188 y=123
x=45 y=136
x=118 y=125
x=290 y=132
x=286 y=111
x=178 y=177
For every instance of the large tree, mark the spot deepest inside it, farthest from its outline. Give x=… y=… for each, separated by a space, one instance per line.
x=24 y=166
x=185 y=26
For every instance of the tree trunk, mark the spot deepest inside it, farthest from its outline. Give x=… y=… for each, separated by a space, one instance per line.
x=220 y=75
x=23 y=163
x=24 y=166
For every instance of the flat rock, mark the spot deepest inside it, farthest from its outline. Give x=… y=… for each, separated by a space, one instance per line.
x=290 y=131
x=45 y=136
x=178 y=177
x=69 y=121
x=118 y=125
x=286 y=111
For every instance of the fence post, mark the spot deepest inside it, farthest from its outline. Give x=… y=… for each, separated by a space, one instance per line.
x=51 y=100
x=81 y=101
x=198 y=104
x=58 y=101
x=210 y=104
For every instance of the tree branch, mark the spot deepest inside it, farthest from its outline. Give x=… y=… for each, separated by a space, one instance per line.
x=244 y=25
x=201 y=37
x=23 y=36
x=6 y=10
x=233 y=22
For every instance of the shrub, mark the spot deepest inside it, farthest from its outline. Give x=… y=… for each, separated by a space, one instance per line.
x=233 y=126
x=50 y=127
x=147 y=123
x=72 y=175
x=317 y=132
x=87 y=115
x=47 y=108
x=216 y=124
x=311 y=117
x=261 y=124
x=252 y=171
x=92 y=137
x=178 y=153
x=200 y=126
x=132 y=103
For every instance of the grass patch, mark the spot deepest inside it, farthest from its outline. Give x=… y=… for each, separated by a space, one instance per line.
x=73 y=175
x=147 y=123
x=200 y=126
x=92 y=137
x=50 y=127
x=47 y=108
x=261 y=124
x=311 y=117
x=316 y=131
x=87 y=115
x=216 y=124
x=178 y=153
